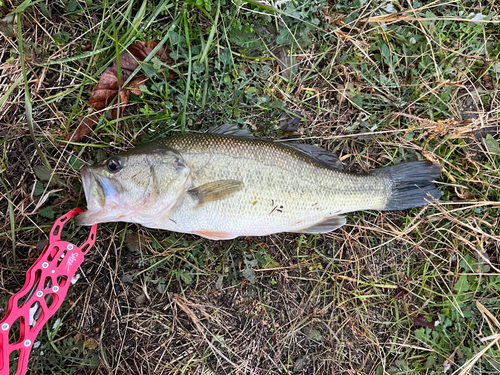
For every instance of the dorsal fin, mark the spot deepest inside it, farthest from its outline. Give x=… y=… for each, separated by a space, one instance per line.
x=325 y=157
x=231 y=129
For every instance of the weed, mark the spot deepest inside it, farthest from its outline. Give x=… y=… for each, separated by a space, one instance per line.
x=376 y=82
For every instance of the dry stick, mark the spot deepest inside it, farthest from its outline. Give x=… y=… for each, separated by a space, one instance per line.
x=468 y=366
x=401 y=16
x=182 y=303
x=396 y=18
x=487 y=261
x=488 y=316
x=28 y=108
x=477 y=230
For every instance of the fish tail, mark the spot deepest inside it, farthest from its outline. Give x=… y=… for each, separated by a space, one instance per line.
x=412 y=184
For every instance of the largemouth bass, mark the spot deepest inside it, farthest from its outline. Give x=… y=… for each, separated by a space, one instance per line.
x=220 y=186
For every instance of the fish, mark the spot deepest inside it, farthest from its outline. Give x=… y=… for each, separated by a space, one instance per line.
x=228 y=183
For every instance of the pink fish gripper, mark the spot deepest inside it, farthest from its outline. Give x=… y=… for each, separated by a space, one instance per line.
x=46 y=286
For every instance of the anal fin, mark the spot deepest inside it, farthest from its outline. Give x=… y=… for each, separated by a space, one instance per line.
x=328 y=225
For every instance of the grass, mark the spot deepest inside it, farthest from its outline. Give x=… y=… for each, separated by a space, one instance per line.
x=378 y=83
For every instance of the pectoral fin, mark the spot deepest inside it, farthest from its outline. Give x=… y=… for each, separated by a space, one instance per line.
x=214 y=191
x=328 y=225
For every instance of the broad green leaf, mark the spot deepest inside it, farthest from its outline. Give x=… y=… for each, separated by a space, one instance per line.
x=386 y=53
x=47 y=212
x=315 y=335
x=72 y=5
x=44 y=10
x=249 y=274
x=39 y=189
x=491 y=144
x=186 y=277
x=462 y=285
x=42 y=172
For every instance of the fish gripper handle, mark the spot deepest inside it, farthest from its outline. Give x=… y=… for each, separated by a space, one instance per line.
x=46 y=286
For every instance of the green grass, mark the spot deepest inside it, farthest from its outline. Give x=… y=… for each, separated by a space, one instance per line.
x=375 y=87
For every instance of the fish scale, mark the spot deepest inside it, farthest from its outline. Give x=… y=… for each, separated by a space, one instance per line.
x=284 y=190
x=221 y=186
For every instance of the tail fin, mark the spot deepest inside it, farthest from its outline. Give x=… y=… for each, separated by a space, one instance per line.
x=411 y=184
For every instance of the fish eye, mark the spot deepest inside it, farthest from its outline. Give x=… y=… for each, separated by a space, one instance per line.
x=113 y=165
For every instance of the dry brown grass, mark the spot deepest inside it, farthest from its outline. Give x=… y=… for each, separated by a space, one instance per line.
x=342 y=303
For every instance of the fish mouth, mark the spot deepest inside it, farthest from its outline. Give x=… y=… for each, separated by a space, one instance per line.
x=94 y=192
x=86 y=177
x=97 y=191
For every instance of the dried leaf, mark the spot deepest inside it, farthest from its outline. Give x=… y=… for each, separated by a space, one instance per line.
x=448 y=363
x=421 y=321
x=84 y=128
x=135 y=84
x=90 y=344
x=140 y=299
x=300 y=364
x=106 y=89
x=109 y=86
x=78 y=337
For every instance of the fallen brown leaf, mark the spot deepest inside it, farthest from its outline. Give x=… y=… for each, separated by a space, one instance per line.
x=85 y=127
x=421 y=321
x=109 y=86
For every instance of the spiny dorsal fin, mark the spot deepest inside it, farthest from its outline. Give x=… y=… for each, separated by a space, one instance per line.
x=216 y=190
x=328 y=225
x=231 y=129
x=323 y=156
